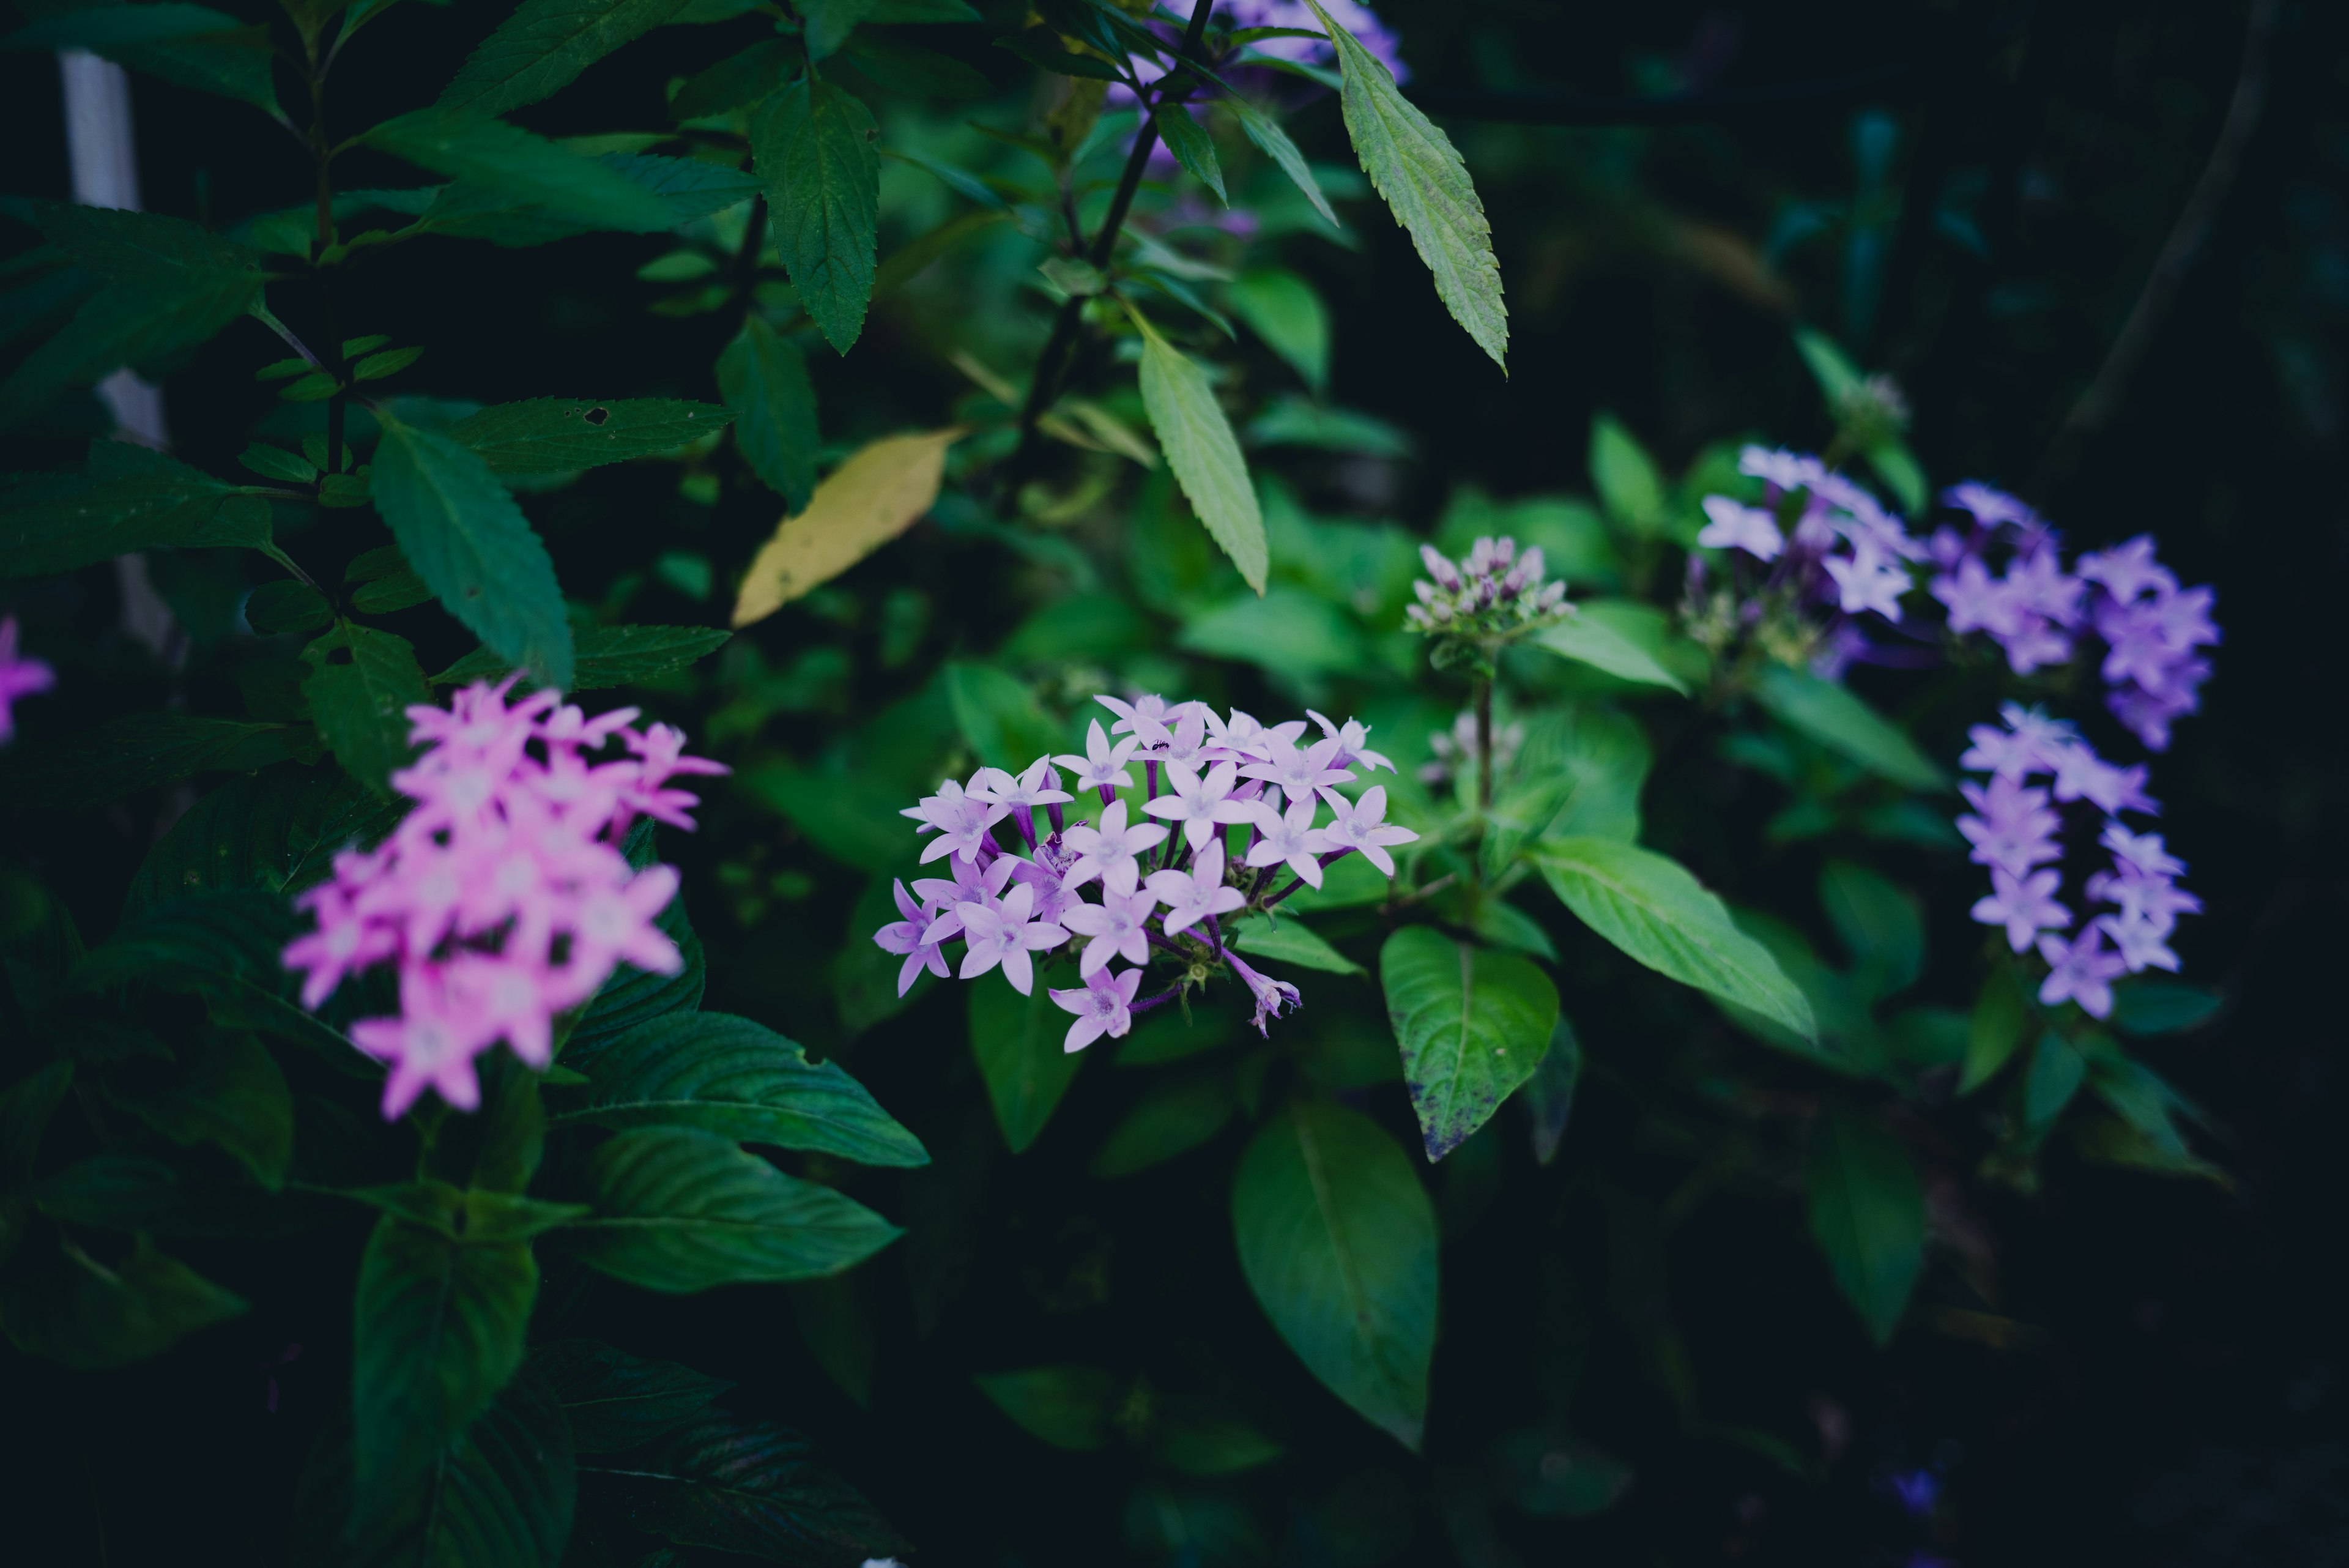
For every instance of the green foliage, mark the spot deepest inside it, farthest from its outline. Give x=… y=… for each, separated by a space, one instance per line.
x=1202 y=450
x=615 y=1401
x=543 y=46
x=69 y=1307
x=361 y=684
x=1016 y=1040
x=128 y=499
x=1867 y=1213
x=765 y=382
x=748 y=1486
x=1844 y=723
x=1473 y=1025
x=814 y=144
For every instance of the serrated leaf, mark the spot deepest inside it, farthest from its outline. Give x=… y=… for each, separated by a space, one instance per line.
x=277 y=462
x=1471 y=1024
x=1836 y=718
x=739 y=1078
x=1414 y=166
x=465 y=536
x=395 y=591
x=1201 y=449
x=814 y=143
x=883 y=489
x=100 y=767
x=605 y=656
x=914 y=71
x=738 y=79
x=616 y=1401
x=1867 y=1213
x=1016 y=1040
x=764 y=380
x=1588 y=640
x=1274 y=141
x=126 y=498
x=1040 y=48
x=1338 y=1240
x=829 y=24
x=508 y=164
x=81 y=1314
x=360 y=701
x=1193 y=148
x=543 y=45
x=681 y=1210
x=563 y=435
x=748 y=1487
x=225 y=1090
x=1649 y=907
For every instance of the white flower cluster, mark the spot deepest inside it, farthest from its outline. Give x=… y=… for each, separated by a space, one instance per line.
x=1497 y=591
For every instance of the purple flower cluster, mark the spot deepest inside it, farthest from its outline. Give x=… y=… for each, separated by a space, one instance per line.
x=19 y=677
x=2014 y=830
x=1845 y=551
x=1161 y=878
x=2035 y=610
x=1497 y=590
x=1357 y=18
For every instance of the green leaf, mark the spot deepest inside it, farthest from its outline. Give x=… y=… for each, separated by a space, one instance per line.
x=360 y=700
x=765 y=382
x=1069 y=1407
x=286 y=606
x=1338 y=1240
x=915 y=72
x=71 y=1309
x=1838 y=720
x=1414 y=166
x=1287 y=312
x=605 y=656
x=543 y=45
x=741 y=1079
x=1627 y=479
x=563 y=435
x=616 y=1401
x=128 y=499
x=2057 y=1071
x=1165 y=1123
x=504 y=1492
x=1268 y=135
x=26 y=1107
x=748 y=1487
x=2145 y=1006
x=1473 y=1025
x=1606 y=757
x=2001 y=1022
x=504 y=164
x=814 y=142
x=98 y=767
x=277 y=462
x=1649 y=906
x=466 y=538
x=438 y=1330
x=1883 y=927
x=377 y=367
x=1548 y=1094
x=1589 y=640
x=1016 y=1040
x=1290 y=632
x=998 y=715
x=1040 y=48
x=1290 y=942
x=1193 y=148
x=278 y=829
x=680 y=1209
x=1868 y=1212
x=738 y=79
x=226 y=1090
x=1202 y=450
x=141 y=1193
x=829 y=24
x=190 y=45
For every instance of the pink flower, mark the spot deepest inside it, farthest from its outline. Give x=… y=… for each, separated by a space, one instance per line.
x=1103 y=1007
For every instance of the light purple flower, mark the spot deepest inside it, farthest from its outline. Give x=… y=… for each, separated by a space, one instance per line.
x=1242 y=739
x=971 y=880
x=2081 y=774
x=2081 y=971
x=1039 y=786
x=1737 y=526
x=19 y=677
x=1109 y=850
x=917 y=937
x=1201 y=806
x=2143 y=944
x=1868 y=580
x=2140 y=852
x=2023 y=906
x=961 y=821
x=1362 y=826
x=1990 y=508
x=1148 y=706
x=1182 y=742
x=2129 y=570
x=2015 y=830
x=1119 y=926
x=1288 y=837
x=1273 y=997
x=1353 y=743
x=1780 y=469
x=1103 y=768
x=1103 y=1007
x=1003 y=932
x=1300 y=774
x=1975 y=600
x=1193 y=896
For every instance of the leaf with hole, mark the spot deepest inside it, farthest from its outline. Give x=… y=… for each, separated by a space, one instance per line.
x=563 y=435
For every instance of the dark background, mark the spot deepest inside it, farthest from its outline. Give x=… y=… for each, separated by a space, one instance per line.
x=2179 y=1396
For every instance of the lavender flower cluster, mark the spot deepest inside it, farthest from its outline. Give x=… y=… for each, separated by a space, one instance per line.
x=1845 y=550
x=19 y=677
x=2014 y=830
x=1497 y=590
x=1161 y=878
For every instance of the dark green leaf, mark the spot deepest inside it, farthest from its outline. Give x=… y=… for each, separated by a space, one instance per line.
x=277 y=462
x=561 y=435
x=2057 y=1071
x=634 y=997
x=400 y=590
x=1883 y=927
x=1587 y=639
x=71 y=1309
x=1068 y=1407
x=2002 y=1021
x=1338 y=1240
x=376 y=367
x=1165 y=1123
x=191 y=46
x=139 y=1192
x=605 y=656
x=1551 y=1475
x=438 y=1331
x=1473 y=1025
x=1269 y=135
x=815 y=145
x=1838 y=720
x=1548 y=1094
x=617 y=1401
x=730 y=1076
x=750 y=1487
x=98 y=767
x=464 y=534
x=508 y=164
x=545 y=44
x=26 y=1107
x=286 y=606
x=1202 y=450
x=1193 y=148
x=915 y=72
x=1650 y=907
x=678 y=1210
x=1868 y=1212
x=128 y=499
x=738 y=79
x=765 y=383
x=278 y=829
x=225 y=1090
x=998 y=715
x=1040 y=48
x=361 y=684
x=2147 y=1006
x=829 y=24
x=1016 y=1040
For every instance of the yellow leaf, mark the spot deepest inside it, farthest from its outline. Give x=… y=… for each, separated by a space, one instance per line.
x=878 y=493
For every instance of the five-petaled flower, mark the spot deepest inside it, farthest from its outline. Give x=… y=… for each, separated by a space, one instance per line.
x=1362 y=826
x=1105 y=1006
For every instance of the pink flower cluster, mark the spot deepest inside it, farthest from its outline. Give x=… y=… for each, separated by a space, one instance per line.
x=503 y=895
x=1162 y=876
x=19 y=677
x=2014 y=830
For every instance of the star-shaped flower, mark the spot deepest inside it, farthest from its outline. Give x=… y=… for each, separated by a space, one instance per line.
x=961 y=821
x=1119 y=926
x=1192 y=896
x=1288 y=838
x=2082 y=971
x=1004 y=931
x=1354 y=738
x=1110 y=850
x=1103 y=768
x=1300 y=772
x=1735 y=526
x=917 y=937
x=1201 y=806
x=1103 y=1007
x=2025 y=907
x=1362 y=826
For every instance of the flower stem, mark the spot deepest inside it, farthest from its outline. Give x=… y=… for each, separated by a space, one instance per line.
x=1483 y=744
